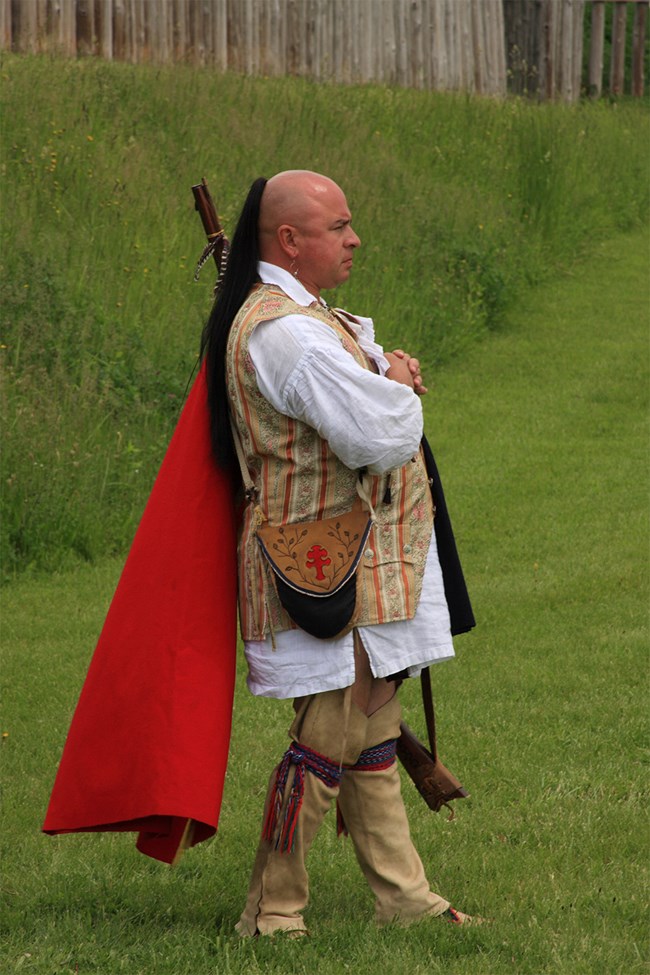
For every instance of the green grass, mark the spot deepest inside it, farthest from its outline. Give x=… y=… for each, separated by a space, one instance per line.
x=460 y=203
x=541 y=436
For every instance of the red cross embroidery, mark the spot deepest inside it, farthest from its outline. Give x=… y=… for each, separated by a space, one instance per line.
x=317 y=557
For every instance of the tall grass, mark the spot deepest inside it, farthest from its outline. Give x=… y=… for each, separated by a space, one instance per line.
x=459 y=203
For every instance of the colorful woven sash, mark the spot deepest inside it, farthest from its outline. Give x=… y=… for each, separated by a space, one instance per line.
x=306 y=759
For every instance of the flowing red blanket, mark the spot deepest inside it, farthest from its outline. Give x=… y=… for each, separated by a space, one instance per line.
x=148 y=745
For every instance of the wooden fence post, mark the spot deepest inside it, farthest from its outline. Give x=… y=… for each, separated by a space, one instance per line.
x=617 y=72
x=549 y=49
x=5 y=25
x=597 y=48
x=25 y=27
x=638 y=47
x=441 y=44
x=85 y=27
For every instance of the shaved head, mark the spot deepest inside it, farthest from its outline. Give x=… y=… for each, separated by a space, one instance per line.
x=305 y=228
x=291 y=196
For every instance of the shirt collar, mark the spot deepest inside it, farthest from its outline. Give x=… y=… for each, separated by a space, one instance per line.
x=272 y=274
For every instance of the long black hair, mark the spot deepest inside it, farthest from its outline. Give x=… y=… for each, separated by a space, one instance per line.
x=238 y=279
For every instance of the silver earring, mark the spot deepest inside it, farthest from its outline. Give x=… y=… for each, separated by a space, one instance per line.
x=293 y=268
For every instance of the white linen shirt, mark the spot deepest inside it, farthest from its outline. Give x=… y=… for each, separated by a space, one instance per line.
x=368 y=421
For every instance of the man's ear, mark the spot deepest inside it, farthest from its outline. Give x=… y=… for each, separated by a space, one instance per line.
x=287 y=240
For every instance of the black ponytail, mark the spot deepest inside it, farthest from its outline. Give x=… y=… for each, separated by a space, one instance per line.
x=239 y=277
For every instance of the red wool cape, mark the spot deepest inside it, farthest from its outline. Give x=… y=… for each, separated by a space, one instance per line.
x=148 y=746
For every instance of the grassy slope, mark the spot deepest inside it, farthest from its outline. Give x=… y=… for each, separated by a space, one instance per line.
x=541 y=437
x=100 y=320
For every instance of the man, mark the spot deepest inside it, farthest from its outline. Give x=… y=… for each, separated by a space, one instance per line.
x=316 y=406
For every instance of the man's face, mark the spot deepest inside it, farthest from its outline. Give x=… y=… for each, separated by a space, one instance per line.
x=325 y=241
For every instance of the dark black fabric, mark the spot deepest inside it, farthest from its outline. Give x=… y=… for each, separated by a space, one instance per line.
x=323 y=616
x=460 y=607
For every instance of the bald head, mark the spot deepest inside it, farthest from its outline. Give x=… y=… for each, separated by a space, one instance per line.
x=291 y=197
x=305 y=228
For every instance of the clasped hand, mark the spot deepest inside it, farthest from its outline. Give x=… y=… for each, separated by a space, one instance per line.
x=405 y=369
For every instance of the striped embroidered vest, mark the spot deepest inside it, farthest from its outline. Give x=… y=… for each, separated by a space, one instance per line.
x=299 y=479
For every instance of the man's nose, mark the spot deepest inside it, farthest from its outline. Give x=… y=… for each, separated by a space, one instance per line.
x=353 y=240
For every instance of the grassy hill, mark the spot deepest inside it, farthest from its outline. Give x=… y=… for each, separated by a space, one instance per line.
x=460 y=204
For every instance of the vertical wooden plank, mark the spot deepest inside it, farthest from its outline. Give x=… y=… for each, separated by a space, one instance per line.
x=456 y=61
x=569 y=49
x=180 y=29
x=144 y=31
x=5 y=25
x=130 y=29
x=578 y=45
x=466 y=47
x=234 y=36
x=426 y=45
x=437 y=40
x=155 y=29
x=247 y=53
x=597 y=48
x=220 y=15
x=496 y=83
x=478 y=49
x=24 y=25
x=206 y=31
x=41 y=34
x=309 y=67
x=548 y=57
x=43 y=37
x=452 y=81
x=64 y=15
x=367 y=49
x=617 y=71
x=326 y=40
x=85 y=27
x=193 y=31
x=463 y=46
x=119 y=30
x=325 y=25
x=401 y=30
x=564 y=71
x=415 y=45
x=491 y=25
x=341 y=43
x=524 y=38
x=447 y=59
x=388 y=47
x=263 y=27
x=304 y=8
x=501 y=80
x=167 y=31
x=104 y=20
x=208 y=18
x=638 y=48
x=276 y=34
x=293 y=38
x=327 y=33
x=351 y=22
x=373 y=38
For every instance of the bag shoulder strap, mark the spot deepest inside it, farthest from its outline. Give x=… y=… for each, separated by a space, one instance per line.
x=429 y=714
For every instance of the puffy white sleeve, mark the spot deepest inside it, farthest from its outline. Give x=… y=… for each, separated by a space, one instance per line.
x=304 y=372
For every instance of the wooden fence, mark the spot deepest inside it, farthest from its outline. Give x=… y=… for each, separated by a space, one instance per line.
x=544 y=44
x=482 y=46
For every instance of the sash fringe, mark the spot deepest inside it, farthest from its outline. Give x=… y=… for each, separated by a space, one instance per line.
x=302 y=758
